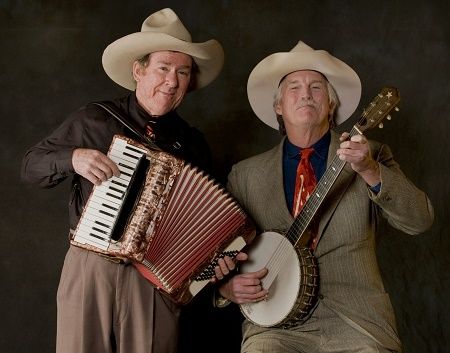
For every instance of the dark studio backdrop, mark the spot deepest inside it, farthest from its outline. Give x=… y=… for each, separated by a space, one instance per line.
x=51 y=64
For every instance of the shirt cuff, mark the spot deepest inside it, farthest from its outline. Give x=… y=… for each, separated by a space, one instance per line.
x=376 y=188
x=64 y=164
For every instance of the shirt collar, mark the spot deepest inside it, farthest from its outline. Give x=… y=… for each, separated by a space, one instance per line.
x=142 y=118
x=138 y=113
x=320 y=147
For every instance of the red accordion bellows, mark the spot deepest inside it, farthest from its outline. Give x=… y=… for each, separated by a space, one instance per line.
x=179 y=223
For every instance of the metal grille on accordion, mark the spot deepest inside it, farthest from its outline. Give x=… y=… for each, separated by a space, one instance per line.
x=172 y=220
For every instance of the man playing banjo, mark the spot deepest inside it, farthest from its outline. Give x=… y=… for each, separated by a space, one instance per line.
x=312 y=92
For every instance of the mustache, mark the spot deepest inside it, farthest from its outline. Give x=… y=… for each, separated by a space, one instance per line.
x=169 y=91
x=306 y=104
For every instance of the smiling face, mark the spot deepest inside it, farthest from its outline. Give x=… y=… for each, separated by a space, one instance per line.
x=163 y=82
x=304 y=102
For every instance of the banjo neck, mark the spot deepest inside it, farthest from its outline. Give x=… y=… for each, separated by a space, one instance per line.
x=303 y=220
x=375 y=112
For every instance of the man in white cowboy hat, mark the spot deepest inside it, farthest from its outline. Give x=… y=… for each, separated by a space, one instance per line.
x=308 y=91
x=105 y=305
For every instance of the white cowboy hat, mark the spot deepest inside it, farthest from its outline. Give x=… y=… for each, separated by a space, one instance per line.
x=162 y=30
x=265 y=78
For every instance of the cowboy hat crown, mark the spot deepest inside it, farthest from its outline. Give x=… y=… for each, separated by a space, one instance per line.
x=161 y=31
x=166 y=21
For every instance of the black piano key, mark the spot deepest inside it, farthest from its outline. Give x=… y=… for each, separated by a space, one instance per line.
x=131 y=148
x=106 y=213
x=99 y=230
x=115 y=196
x=102 y=224
x=98 y=237
x=125 y=173
x=130 y=155
x=110 y=207
x=120 y=184
x=115 y=189
x=125 y=166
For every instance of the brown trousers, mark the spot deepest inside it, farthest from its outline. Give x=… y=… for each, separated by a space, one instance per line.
x=324 y=332
x=106 y=307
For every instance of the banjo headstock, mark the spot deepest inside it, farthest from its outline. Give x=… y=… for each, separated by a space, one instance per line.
x=380 y=108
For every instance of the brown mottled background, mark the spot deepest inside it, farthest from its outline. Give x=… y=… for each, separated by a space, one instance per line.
x=51 y=64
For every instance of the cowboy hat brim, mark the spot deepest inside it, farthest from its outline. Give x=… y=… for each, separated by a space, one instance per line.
x=265 y=78
x=119 y=56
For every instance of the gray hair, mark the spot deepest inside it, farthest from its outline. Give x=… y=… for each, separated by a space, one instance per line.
x=332 y=97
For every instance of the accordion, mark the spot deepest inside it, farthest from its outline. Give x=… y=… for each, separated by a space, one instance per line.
x=169 y=218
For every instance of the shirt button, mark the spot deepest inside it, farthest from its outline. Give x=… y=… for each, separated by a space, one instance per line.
x=320 y=296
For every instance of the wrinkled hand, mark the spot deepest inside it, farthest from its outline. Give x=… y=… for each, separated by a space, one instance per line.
x=356 y=151
x=93 y=165
x=245 y=287
x=226 y=265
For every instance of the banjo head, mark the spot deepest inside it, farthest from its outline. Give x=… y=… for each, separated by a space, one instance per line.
x=276 y=253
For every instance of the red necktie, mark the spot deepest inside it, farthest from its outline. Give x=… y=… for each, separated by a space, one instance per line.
x=149 y=131
x=305 y=181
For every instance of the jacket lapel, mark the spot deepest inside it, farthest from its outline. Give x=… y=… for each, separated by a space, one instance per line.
x=274 y=178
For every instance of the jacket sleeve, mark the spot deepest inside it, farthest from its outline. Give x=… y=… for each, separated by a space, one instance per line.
x=234 y=185
x=406 y=207
x=49 y=162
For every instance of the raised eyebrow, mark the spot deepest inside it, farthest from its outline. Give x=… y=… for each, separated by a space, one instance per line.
x=294 y=82
x=170 y=64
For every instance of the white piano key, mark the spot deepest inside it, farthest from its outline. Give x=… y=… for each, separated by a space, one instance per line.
x=108 y=189
x=133 y=151
x=121 y=161
x=86 y=229
x=84 y=237
x=100 y=193
x=119 y=185
x=119 y=143
x=108 y=216
x=105 y=213
x=99 y=203
x=95 y=231
x=123 y=179
x=116 y=158
x=90 y=219
x=98 y=224
x=127 y=150
x=125 y=174
x=120 y=156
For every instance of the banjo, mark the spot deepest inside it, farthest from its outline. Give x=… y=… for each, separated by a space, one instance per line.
x=293 y=273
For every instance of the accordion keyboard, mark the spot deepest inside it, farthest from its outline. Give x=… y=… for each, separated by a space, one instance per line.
x=103 y=218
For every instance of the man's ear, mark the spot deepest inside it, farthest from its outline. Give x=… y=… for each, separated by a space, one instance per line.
x=137 y=71
x=332 y=108
x=277 y=107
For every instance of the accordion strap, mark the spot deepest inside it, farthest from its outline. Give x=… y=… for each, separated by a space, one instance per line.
x=112 y=109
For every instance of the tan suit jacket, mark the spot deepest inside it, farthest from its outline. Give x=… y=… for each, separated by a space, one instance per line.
x=350 y=281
